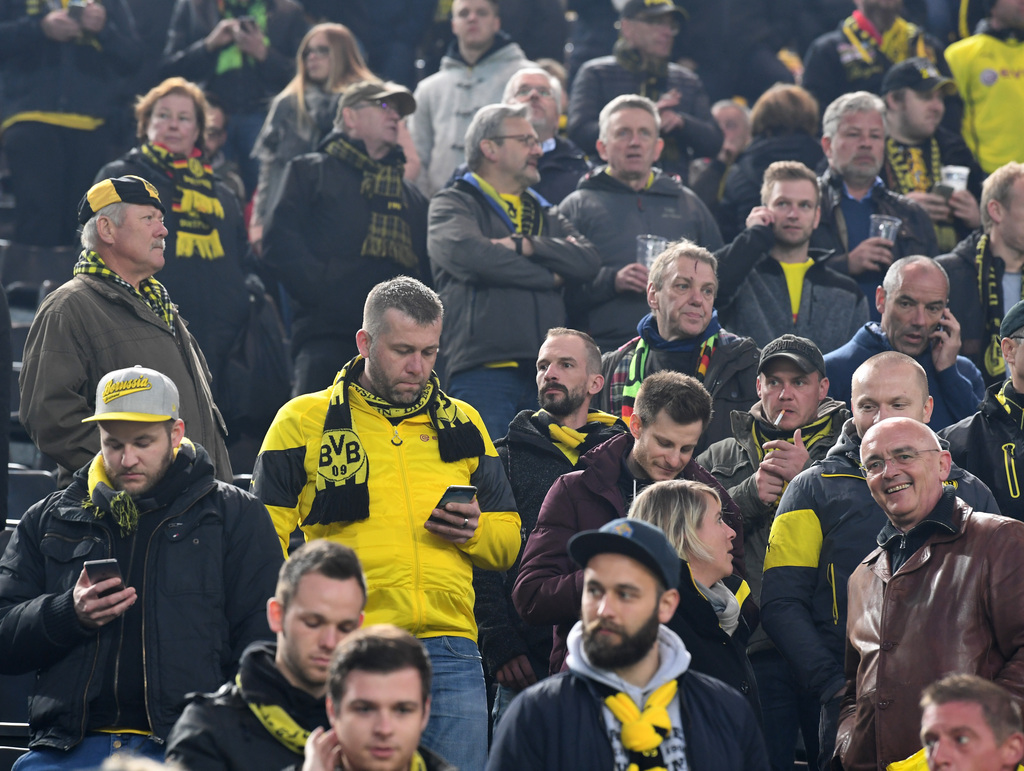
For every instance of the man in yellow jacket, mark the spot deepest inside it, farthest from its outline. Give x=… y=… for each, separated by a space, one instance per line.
x=365 y=462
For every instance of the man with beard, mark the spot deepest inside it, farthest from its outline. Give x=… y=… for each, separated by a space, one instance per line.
x=853 y=140
x=540 y=446
x=262 y=718
x=188 y=560
x=501 y=257
x=623 y=660
x=771 y=283
x=672 y=411
x=916 y=321
x=366 y=463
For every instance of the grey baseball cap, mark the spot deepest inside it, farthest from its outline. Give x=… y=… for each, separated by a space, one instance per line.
x=137 y=394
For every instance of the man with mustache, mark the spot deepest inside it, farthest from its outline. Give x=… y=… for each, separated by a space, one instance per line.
x=853 y=140
x=672 y=411
x=501 y=256
x=541 y=445
x=623 y=660
x=112 y=313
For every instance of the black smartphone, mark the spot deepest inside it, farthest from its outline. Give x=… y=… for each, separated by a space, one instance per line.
x=101 y=570
x=944 y=190
x=248 y=23
x=454 y=494
x=75 y=9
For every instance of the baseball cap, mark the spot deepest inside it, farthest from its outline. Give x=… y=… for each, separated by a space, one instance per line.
x=136 y=393
x=918 y=74
x=368 y=90
x=1012 y=321
x=127 y=189
x=651 y=9
x=634 y=538
x=799 y=350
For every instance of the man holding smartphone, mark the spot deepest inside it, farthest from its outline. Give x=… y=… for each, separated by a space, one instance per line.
x=197 y=557
x=366 y=462
x=916 y=321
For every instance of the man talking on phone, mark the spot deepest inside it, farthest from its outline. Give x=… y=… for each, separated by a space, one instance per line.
x=366 y=462
x=916 y=321
x=190 y=562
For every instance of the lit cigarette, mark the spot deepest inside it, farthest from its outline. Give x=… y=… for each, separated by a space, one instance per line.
x=778 y=418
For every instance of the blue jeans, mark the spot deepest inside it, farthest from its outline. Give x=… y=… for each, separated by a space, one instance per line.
x=498 y=394
x=457 y=730
x=786 y=711
x=90 y=752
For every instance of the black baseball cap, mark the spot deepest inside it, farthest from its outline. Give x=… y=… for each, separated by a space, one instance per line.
x=799 y=350
x=1012 y=321
x=634 y=538
x=644 y=10
x=918 y=74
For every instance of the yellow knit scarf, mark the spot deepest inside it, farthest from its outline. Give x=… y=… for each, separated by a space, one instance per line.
x=643 y=732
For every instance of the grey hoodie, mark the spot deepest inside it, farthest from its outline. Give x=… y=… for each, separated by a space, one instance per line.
x=674 y=661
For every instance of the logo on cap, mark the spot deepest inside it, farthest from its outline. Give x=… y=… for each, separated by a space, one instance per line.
x=114 y=390
x=624 y=529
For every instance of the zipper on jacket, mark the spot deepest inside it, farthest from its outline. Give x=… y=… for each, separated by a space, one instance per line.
x=92 y=671
x=419 y=616
x=142 y=607
x=1011 y=470
x=831 y=573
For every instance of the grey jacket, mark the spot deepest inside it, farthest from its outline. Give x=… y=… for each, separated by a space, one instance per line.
x=498 y=304
x=611 y=214
x=753 y=296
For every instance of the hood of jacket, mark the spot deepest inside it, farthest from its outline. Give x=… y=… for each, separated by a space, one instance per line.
x=599 y=179
x=452 y=58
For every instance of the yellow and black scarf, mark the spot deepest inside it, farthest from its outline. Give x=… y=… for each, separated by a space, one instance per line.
x=388 y=234
x=810 y=434
x=151 y=291
x=902 y=40
x=573 y=442
x=644 y=731
x=909 y=170
x=342 y=494
x=990 y=295
x=521 y=213
x=231 y=57
x=195 y=203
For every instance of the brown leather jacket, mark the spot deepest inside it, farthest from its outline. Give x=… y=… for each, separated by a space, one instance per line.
x=953 y=607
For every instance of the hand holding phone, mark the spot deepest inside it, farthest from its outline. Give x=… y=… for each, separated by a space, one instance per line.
x=454 y=494
x=96 y=607
x=101 y=570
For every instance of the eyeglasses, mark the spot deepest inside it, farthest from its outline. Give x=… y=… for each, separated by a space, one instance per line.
x=874 y=467
x=318 y=50
x=530 y=141
x=542 y=91
x=215 y=133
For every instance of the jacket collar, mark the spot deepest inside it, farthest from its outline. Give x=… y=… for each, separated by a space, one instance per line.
x=118 y=294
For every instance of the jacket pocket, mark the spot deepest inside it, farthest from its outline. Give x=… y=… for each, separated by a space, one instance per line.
x=64 y=556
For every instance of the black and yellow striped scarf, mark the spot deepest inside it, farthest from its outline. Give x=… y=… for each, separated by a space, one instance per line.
x=573 y=442
x=902 y=40
x=388 y=234
x=342 y=475
x=151 y=291
x=909 y=170
x=643 y=731
x=195 y=204
x=990 y=295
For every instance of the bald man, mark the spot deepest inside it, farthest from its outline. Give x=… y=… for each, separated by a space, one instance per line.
x=940 y=594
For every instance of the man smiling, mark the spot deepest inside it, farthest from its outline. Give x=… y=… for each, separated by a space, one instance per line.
x=939 y=566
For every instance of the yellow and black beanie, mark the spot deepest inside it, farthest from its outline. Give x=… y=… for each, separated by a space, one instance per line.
x=127 y=189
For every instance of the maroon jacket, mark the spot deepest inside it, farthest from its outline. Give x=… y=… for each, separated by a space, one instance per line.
x=549 y=589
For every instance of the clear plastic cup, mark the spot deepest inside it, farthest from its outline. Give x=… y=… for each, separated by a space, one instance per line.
x=648 y=247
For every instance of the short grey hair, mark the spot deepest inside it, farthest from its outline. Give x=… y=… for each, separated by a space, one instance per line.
x=487 y=124
x=510 y=87
x=857 y=101
x=115 y=212
x=626 y=102
x=676 y=251
x=894 y=275
x=406 y=295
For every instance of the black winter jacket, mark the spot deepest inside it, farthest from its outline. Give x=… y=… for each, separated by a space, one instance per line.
x=989 y=444
x=211 y=563
x=557 y=724
x=532 y=464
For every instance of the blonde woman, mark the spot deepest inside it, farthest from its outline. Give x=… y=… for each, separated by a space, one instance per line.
x=712 y=617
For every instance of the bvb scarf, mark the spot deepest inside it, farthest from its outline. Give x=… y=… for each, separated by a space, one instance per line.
x=653 y=74
x=194 y=201
x=388 y=234
x=573 y=442
x=991 y=300
x=150 y=290
x=521 y=213
x=643 y=732
x=342 y=494
x=895 y=45
x=909 y=170
x=231 y=57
